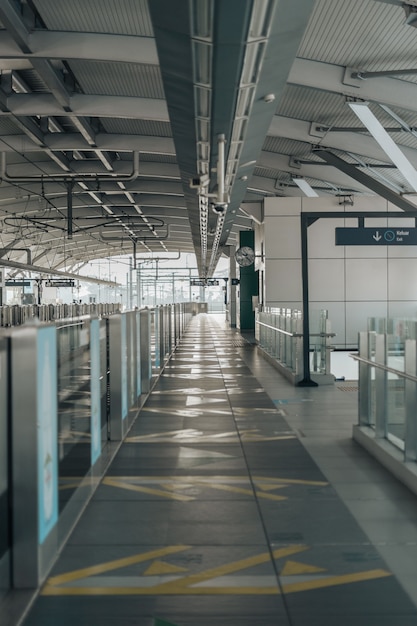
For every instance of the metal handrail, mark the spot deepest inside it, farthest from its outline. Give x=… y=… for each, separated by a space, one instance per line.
x=285 y=332
x=386 y=368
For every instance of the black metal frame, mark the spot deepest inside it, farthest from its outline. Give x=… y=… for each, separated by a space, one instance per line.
x=307 y=219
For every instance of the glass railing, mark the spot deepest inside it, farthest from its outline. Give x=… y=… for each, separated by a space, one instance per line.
x=5 y=531
x=279 y=332
x=15 y=315
x=76 y=387
x=388 y=382
x=74 y=405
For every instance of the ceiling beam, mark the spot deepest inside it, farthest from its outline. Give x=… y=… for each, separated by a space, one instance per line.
x=338 y=79
x=357 y=143
x=80 y=105
x=45 y=44
x=364 y=179
x=73 y=142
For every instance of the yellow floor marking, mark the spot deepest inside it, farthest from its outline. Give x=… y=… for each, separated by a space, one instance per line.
x=72 y=485
x=331 y=581
x=246 y=492
x=293 y=568
x=182 y=586
x=152 y=591
x=291 y=481
x=186 y=582
x=159 y=567
x=111 y=482
x=266 y=437
x=269 y=486
x=176 y=487
x=112 y=565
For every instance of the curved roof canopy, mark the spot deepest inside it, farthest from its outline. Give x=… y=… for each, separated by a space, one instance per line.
x=134 y=126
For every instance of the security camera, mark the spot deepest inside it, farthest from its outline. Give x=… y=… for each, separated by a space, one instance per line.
x=219 y=209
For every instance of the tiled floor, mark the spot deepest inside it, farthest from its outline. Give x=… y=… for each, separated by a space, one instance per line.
x=238 y=499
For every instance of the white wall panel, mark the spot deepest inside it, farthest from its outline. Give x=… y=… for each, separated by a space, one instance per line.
x=402 y=276
x=366 y=252
x=352 y=282
x=366 y=279
x=286 y=304
x=326 y=279
x=284 y=206
x=357 y=315
x=282 y=237
x=283 y=280
x=321 y=239
x=403 y=309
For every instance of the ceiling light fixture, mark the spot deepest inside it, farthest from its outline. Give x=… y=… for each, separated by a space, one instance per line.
x=305 y=187
x=393 y=152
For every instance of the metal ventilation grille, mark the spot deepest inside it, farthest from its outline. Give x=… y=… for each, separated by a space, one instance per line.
x=158 y=158
x=33 y=81
x=118 y=79
x=117 y=17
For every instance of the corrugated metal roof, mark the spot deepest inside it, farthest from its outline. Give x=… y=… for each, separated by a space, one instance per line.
x=286 y=146
x=359 y=34
x=7 y=127
x=118 y=17
x=158 y=158
x=118 y=79
x=136 y=127
x=311 y=104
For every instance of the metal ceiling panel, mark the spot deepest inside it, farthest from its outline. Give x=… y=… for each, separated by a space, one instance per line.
x=124 y=126
x=221 y=63
x=312 y=105
x=358 y=33
x=286 y=146
x=123 y=17
x=118 y=79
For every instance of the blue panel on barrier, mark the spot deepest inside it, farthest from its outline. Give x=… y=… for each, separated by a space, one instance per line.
x=124 y=367
x=157 y=344
x=138 y=365
x=47 y=416
x=95 y=391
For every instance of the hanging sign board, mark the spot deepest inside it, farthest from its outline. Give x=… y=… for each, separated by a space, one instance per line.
x=376 y=236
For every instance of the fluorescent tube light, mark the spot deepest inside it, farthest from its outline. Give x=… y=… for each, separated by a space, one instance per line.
x=381 y=136
x=305 y=187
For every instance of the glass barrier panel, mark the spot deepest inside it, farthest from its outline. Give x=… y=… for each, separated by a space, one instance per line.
x=396 y=410
x=104 y=378
x=372 y=378
x=396 y=386
x=74 y=406
x=5 y=537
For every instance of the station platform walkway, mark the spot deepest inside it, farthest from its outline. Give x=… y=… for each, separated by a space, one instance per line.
x=238 y=500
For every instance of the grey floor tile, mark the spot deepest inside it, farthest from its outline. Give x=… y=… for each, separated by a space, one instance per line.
x=213 y=508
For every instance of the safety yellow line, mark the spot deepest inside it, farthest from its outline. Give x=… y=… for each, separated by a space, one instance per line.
x=50 y=590
x=290 y=481
x=228 y=568
x=246 y=492
x=73 y=485
x=112 y=565
x=331 y=581
x=111 y=482
x=179 y=589
x=257 y=438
